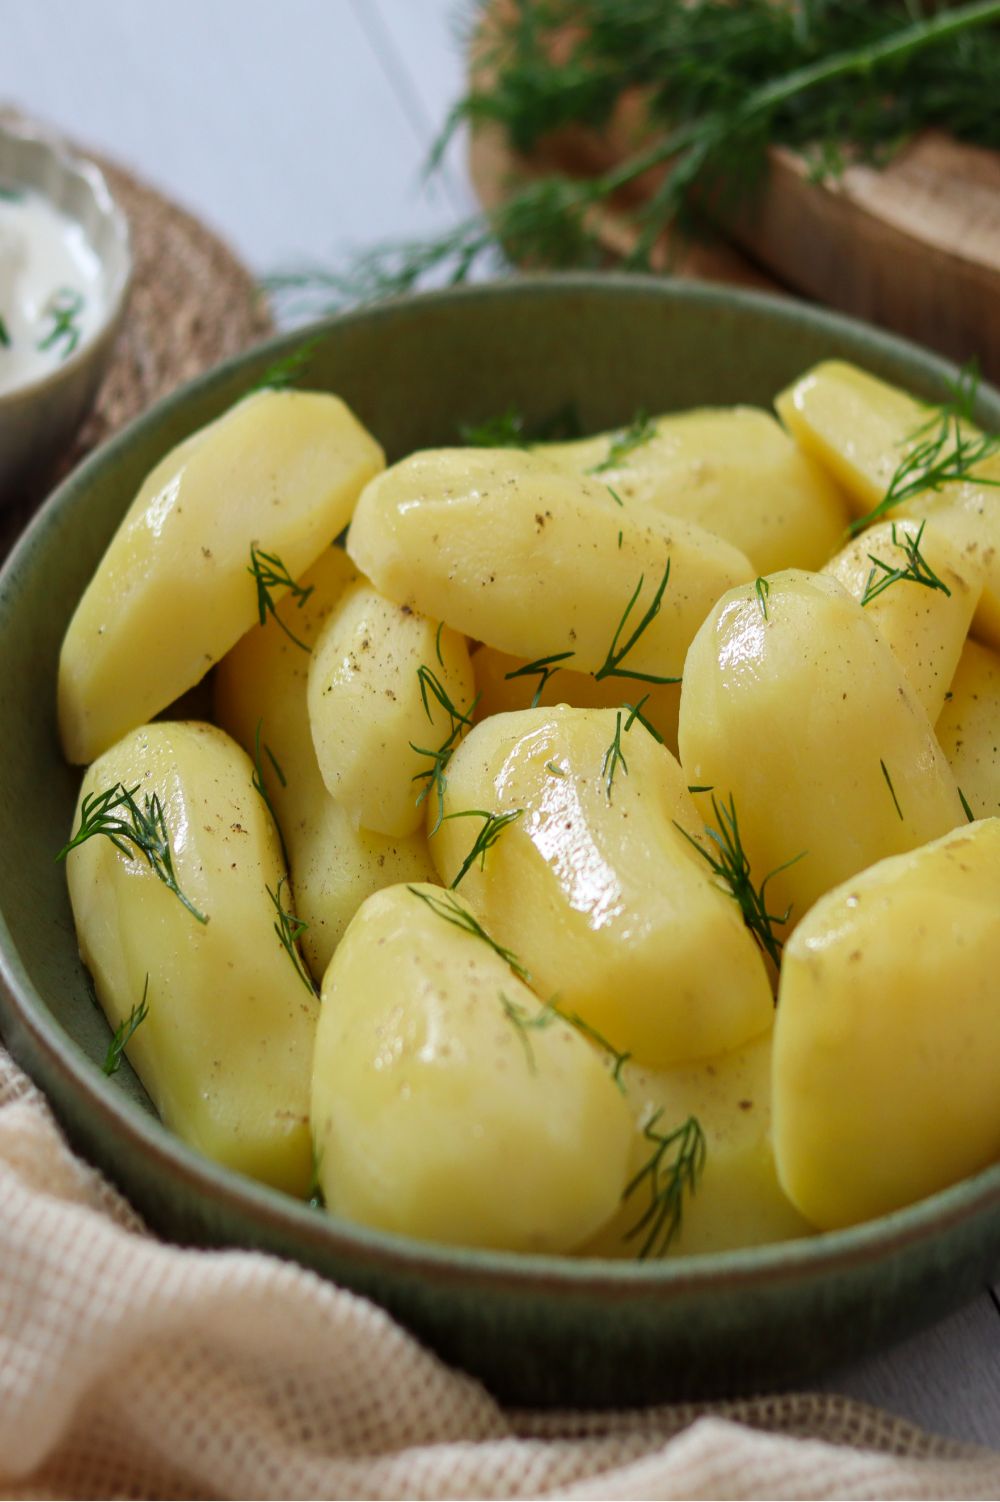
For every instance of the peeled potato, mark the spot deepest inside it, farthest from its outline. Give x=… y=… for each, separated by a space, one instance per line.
x=281 y=470
x=263 y=683
x=733 y=471
x=805 y=719
x=601 y=896
x=446 y=1103
x=968 y=729
x=379 y=676
x=736 y=1199
x=924 y=625
x=533 y=561
x=887 y=1042
x=226 y=1049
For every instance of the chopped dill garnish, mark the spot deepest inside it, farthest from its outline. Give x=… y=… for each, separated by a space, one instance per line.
x=611 y=668
x=116 y=814
x=437 y=642
x=504 y=432
x=669 y=1174
x=491 y=831
x=542 y=668
x=695 y=787
x=614 y=755
x=968 y=811
x=637 y=714
x=524 y=1023
x=123 y=1032
x=286 y=371
x=64 y=308
x=619 y=542
x=615 y=497
x=289 y=930
x=639 y=431
x=270 y=573
x=763 y=589
x=592 y=1035
x=434 y=775
x=917 y=570
x=4 y=335
x=733 y=868
x=261 y=786
x=451 y=911
x=550 y=766
x=888 y=779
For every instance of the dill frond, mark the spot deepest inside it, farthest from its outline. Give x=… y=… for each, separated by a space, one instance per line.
x=674 y=1167
x=492 y=829
x=888 y=781
x=542 y=668
x=613 y=755
x=763 y=589
x=270 y=573
x=432 y=687
x=64 y=308
x=289 y=930
x=260 y=786
x=505 y=432
x=525 y=1024
x=917 y=570
x=286 y=371
x=639 y=432
x=611 y=667
x=116 y=815
x=123 y=1032
x=970 y=816
x=637 y=714
x=452 y=912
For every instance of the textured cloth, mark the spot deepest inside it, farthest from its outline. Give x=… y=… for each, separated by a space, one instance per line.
x=129 y=1368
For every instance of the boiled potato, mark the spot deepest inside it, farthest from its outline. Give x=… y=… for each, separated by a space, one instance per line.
x=499 y=694
x=968 y=729
x=887 y=1042
x=736 y=1199
x=380 y=681
x=226 y=1049
x=446 y=1102
x=533 y=561
x=924 y=625
x=281 y=470
x=600 y=895
x=733 y=471
x=805 y=719
x=968 y=514
x=263 y=683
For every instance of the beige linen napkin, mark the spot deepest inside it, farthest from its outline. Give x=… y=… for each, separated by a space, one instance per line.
x=129 y=1368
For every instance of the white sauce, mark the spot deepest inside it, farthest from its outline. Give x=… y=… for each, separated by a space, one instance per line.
x=52 y=292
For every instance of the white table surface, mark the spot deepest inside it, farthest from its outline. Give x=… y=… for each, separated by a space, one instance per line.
x=298 y=129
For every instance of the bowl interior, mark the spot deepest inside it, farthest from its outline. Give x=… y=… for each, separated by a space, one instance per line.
x=413 y=371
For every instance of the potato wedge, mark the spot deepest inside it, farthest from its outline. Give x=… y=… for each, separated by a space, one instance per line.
x=925 y=625
x=226 y=1049
x=446 y=1102
x=383 y=681
x=602 y=897
x=968 y=729
x=281 y=470
x=736 y=1199
x=533 y=561
x=263 y=682
x=887 y=1041
x=805 y=719
x=733 y=471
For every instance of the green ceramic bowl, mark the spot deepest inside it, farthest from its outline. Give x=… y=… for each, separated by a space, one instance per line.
x=536 y=1330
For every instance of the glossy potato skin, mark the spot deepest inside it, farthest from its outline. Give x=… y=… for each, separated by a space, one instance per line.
x=172 y=594
x=226 y=1049
x=733 y=471
x=792 y=717
x=435 y=1115
x=369 y=707
x=737 y=1200
x=604 y=900
x=925 y=627
x=887 y=1041
x=533 y=561
x=968 y=729
x=264 y=681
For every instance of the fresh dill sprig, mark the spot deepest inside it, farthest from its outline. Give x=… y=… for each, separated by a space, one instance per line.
x=64 y=308
x=492 y=829
x=286 y=371
x=888 y=780
x=763 y=588
x=270 y=573
x=542 y=668
x=432 y=687
x=550 y=766
x=732 y=867
x=593 y=1036
x=613 y=755
x=4 y=335
x=637 y=714
x=452 y=912
x=115 y=814
x=437 y=642
x=289 y=930
x=123 y=1032
x=504 y=432
x=669 y=1174
x=524 y=1024
x=610 y=667
x=639 y=431
x=261 y=786
x=917 y=570
x=616 y=497
x=970 y=816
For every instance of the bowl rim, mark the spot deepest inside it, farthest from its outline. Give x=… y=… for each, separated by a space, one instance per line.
x=738 y=1270
x=20 y=128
